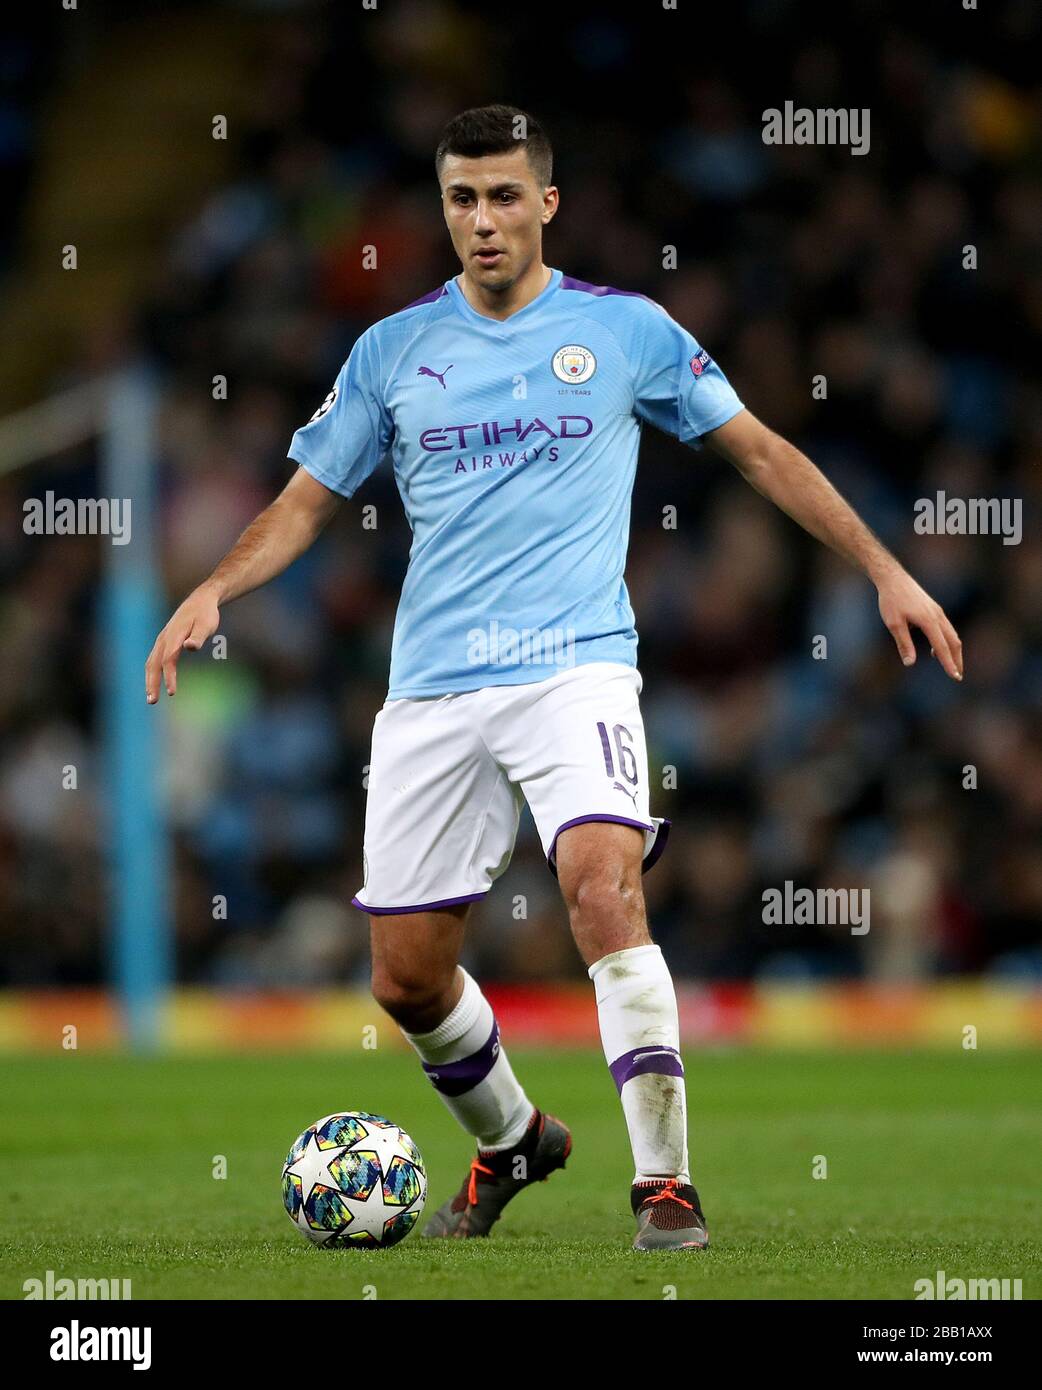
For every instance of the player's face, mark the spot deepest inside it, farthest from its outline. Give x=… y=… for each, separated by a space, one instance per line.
x=495 y=210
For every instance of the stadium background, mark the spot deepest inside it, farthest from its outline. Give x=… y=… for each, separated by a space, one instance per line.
x=243 y=257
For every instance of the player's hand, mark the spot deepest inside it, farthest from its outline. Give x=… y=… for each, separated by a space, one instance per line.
x=194 y=623
x=903 y=603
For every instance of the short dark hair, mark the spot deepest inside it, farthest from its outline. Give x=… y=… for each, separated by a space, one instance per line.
x=495 y=130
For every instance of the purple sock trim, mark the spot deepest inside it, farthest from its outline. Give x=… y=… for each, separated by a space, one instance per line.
x=456 y=1078
x=652 y=857
x=665 y=1061
x=420 y=907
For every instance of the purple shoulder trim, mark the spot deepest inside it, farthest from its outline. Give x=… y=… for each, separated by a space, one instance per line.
x=426 y=298
x=568 y=282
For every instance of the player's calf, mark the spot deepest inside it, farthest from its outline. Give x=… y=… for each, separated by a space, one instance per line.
x=467 y=1066
x=599 y=870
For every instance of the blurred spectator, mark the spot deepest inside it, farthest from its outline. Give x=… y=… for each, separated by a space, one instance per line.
x=794 y=263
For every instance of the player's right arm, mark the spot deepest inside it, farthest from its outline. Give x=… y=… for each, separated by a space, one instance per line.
x=270 y=544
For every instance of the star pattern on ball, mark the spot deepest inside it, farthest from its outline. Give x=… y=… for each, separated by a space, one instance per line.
x=368 y=1191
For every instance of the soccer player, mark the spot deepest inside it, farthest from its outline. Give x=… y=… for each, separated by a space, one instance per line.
x=510 y=401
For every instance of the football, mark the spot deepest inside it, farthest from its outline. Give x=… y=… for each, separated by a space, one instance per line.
x=354 y=1179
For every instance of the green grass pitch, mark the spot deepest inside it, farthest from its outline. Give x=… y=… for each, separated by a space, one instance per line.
x=933 y=1164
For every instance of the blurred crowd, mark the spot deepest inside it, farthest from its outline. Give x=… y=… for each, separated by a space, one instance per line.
x=792 y=263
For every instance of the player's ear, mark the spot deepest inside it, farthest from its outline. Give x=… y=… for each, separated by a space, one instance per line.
x=551 y=199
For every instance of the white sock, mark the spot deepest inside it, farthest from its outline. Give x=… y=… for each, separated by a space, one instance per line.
x=640 y=1030
x=472 y=1073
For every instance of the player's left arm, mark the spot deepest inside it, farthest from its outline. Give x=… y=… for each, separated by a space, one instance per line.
x=782 y=473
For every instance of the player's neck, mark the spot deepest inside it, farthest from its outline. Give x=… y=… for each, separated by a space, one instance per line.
x=502 y=304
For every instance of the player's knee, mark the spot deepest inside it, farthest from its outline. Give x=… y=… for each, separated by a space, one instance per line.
x=606 y=913
x=604 y=894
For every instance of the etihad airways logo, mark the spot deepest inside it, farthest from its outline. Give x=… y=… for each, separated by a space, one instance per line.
x=492 y=432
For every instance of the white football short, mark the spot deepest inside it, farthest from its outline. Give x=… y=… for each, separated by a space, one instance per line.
x=447 y=776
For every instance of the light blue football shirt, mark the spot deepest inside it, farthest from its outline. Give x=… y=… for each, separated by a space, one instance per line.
x=514 y=447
